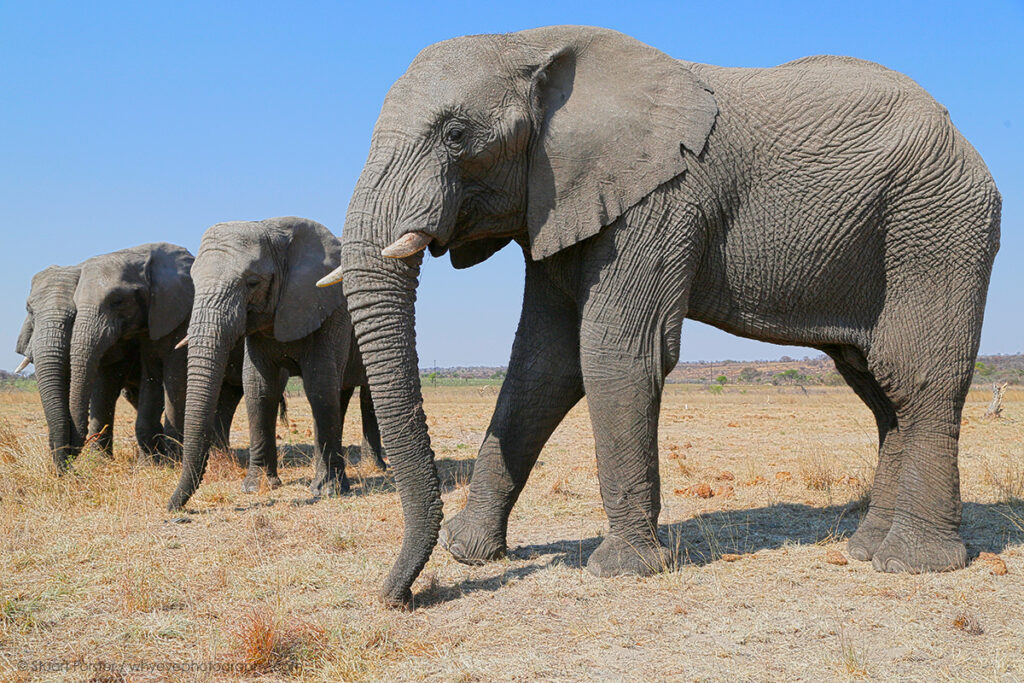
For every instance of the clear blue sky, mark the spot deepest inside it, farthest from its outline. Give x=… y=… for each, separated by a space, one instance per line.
x=125 y=123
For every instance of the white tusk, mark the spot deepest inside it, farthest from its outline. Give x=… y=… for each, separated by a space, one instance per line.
x=332 y=278
x=22 y=365
x=182 y=344
x=408 y=244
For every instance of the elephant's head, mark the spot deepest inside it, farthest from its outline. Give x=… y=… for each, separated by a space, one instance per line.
x=543 y=136
x=44 y=341
x=144 y=291
x=249 y=277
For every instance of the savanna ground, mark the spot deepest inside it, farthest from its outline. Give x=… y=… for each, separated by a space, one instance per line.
x=93 y=571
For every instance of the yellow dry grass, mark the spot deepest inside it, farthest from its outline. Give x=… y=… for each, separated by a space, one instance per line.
x=275 y=586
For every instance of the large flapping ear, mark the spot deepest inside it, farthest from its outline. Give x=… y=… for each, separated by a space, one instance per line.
x=312 y=253
x=170 y=288
x=614 y=117
x=24 y=337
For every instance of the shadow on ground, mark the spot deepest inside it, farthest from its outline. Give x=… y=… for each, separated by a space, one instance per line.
x=987 y=527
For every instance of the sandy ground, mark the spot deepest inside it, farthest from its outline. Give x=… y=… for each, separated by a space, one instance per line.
x=94 y=573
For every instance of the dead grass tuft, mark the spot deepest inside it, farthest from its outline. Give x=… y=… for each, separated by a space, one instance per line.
x=266 y=642
x=818 y=473
x=10 y=442
x=1007 y=480
x=968 y=623
x=222 y=466
x=851 y=658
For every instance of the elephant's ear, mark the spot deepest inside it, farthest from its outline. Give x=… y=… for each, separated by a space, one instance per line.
x=614 y=116
x=477 y=251
x=170 y=288
x=24 y=337
x=312 y=253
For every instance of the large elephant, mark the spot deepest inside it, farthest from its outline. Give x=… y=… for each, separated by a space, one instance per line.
x=138 y=299
x=255 y=280
x=827 y=202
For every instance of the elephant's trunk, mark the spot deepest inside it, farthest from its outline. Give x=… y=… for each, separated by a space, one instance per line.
x=213 y=332
x=91 y=339
x=381 y=296
x=50 y=345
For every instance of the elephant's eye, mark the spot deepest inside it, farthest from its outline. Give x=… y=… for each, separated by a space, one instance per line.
x=455 y=135
x=253 y=281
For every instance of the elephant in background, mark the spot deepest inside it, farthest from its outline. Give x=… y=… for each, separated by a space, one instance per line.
x=138 y=298
x=827 y=202
x=255 y=281
x=45 y=341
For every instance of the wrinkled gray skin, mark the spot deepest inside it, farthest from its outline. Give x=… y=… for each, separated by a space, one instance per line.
x=45 y=340
x=255 y=280
x=138 y=297
x=827 y=202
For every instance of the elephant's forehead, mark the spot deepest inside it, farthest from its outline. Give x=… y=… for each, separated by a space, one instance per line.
x=456 y=73
x=108 y=267
x=229 y=248
x=235 y=237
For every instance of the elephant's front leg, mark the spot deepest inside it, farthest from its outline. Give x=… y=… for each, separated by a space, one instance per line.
x=542 y=385
x=263 y=388
x=148 y=427
x=371 y=430
x=624 y=397
x=227 y=403
x=324 y=394
x=175 y=372
x=635 y=299
x=102 y=405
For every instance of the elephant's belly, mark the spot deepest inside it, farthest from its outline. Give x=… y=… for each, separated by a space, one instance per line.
x=827 y=309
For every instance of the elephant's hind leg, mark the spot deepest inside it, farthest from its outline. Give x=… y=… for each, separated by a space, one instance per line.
x=926 y=377
x=542 y=385
x=875 y=525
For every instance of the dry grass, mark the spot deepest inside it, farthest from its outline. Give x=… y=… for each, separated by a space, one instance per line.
x=274 y=586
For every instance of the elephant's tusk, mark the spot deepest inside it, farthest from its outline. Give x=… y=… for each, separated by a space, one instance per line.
x=22 y=365
x=332 y=278
x=182 y=344
x=408 y=244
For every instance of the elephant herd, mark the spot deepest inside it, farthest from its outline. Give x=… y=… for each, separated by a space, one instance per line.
x=184 y=338
x=827 y=202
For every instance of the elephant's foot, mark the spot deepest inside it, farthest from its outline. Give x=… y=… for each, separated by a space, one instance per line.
x=378 y=455
x=177 y=501
x=144 y=457
x=616 y=556
x=471 y=542
x=916 y=551
x=251 y=483
x=868 y=537
x=330 y=481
